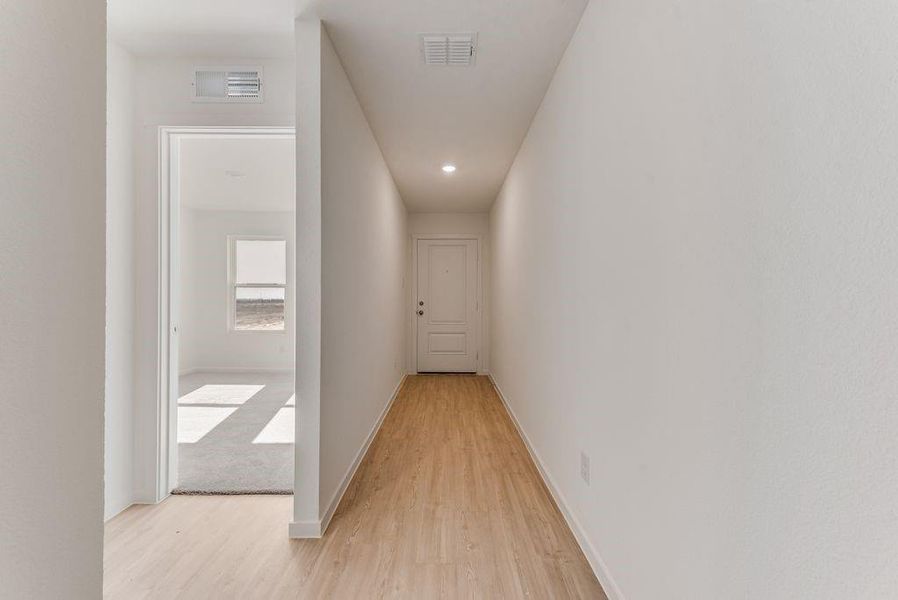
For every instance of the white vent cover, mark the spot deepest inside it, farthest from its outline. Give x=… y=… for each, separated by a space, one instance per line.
x=449 y=49
x=227 y=84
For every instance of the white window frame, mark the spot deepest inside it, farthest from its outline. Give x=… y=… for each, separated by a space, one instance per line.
x=233 y=285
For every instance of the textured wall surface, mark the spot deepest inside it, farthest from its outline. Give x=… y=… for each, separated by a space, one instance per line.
x=207 y=342
x=695 y=269
x=52 y=290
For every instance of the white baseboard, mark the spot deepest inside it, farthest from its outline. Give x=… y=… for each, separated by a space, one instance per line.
x=350 y=473
x=599 y=567
x=235 y=370
x=316 y=529
x=305 y=529
x=146 y=497
x=118 y=512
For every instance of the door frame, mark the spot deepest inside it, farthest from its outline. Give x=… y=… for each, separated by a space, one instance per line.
x=413 y=296
x=169 y=286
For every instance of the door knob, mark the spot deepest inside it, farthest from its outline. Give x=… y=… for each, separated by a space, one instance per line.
x=420 y=302
x=420 y=312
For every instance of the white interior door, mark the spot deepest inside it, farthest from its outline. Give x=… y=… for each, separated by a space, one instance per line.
x=447 y=307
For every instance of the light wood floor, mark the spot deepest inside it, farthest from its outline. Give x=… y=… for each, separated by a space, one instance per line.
x=447 y=504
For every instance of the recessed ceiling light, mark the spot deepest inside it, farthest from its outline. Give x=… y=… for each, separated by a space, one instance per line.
x=448 y=168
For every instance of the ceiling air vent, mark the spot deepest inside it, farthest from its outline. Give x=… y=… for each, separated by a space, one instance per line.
x=227 y=84
x=449 y=49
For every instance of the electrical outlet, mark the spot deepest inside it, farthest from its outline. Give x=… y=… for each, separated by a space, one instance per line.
x=584 y=467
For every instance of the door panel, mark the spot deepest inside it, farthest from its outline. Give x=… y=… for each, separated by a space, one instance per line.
x=447 y=343
x=447 y=283
x=447 y=306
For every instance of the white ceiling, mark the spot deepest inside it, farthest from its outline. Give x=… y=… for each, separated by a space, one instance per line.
x=422 y=116
x=249 y=174
x=204 y=28
x=474 y=117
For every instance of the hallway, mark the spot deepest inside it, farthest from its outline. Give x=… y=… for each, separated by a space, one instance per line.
x=447 y=503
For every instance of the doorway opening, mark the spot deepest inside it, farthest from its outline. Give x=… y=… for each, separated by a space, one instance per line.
x=227 y=327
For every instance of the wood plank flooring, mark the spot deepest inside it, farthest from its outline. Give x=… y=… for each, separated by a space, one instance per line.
x=446 y=504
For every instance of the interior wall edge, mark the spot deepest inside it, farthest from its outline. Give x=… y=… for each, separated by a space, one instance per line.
x=334 y=503
x=598 y=564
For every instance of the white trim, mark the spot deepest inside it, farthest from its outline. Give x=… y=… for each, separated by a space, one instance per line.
x=304 y=530
x=316 y=529
x=167 y=328
x=413 y=295
x=121 y=510
x=236 y=371
x=599 y=567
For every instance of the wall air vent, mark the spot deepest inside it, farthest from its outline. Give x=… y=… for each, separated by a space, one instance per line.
x=227 y=84
x=449 y=49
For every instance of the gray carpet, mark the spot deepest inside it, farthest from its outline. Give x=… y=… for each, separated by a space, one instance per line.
x=235 y=434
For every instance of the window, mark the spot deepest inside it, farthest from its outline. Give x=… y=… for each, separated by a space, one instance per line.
x=258 y=284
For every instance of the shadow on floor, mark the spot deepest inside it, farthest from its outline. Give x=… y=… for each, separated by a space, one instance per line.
x=235 y=434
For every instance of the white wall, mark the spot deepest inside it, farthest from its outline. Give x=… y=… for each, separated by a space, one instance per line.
x=163 y=98
x=453 y=223
x=206 y=341
x=694 y=280
x=120 y=207
x=349 y=210
x=52 y=215
x=364 y=244
x=306 y=515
